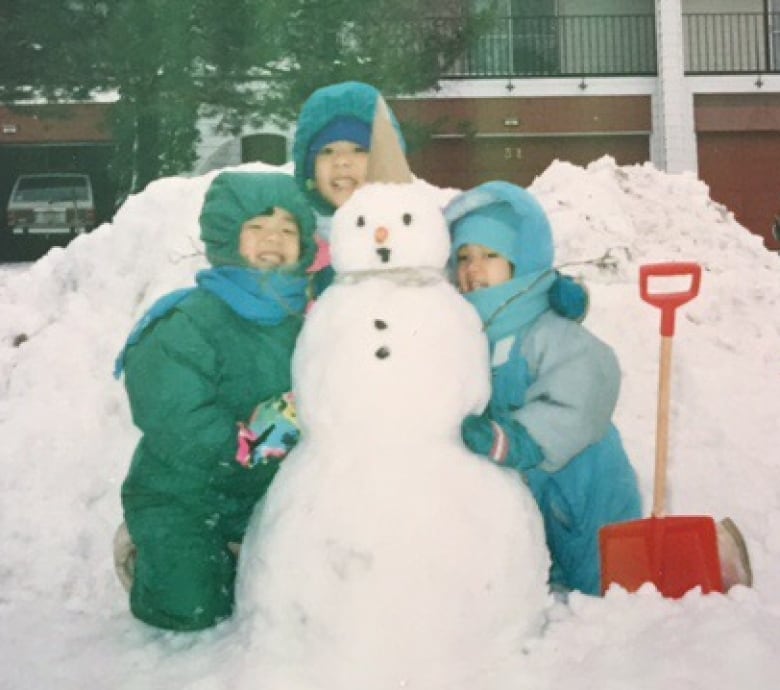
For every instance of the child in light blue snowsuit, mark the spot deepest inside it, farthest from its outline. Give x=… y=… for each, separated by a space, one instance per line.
x=555 y=385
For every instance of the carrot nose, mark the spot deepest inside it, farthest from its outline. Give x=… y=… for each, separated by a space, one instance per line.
x=380 y=234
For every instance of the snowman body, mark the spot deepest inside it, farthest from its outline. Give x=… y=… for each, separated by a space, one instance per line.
x=386 y=554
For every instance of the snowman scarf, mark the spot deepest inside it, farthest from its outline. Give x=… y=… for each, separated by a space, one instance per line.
x=512 y=307
x=262 y=297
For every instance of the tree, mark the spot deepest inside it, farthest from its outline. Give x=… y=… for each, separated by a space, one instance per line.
x=45 y=46
x=246 y=61
x=400 y=46
x=153 y=51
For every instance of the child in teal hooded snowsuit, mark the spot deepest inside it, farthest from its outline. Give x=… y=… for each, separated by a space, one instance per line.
x=330 y=151
x=196 y=366
x=337 y=113
x=555 y=385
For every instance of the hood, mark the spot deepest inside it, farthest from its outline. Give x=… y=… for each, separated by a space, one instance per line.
x=506 y=218
x=235 y=197
x=346 y=99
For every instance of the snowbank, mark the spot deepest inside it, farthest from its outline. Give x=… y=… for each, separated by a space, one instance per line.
x=67 y=439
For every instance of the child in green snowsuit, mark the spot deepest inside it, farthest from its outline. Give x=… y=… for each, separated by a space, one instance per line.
x=196 y=366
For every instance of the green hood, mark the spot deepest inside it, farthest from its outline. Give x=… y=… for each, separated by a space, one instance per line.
x=235 y=197
x=349 y=98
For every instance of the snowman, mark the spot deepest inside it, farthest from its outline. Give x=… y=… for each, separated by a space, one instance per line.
x=386 y=555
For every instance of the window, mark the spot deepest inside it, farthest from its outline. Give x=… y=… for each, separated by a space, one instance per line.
x=49 y=188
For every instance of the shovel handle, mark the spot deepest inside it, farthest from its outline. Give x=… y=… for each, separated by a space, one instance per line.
x=668 y=302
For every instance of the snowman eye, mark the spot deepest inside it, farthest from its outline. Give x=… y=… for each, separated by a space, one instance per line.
x=407 y=218
x=361 y=221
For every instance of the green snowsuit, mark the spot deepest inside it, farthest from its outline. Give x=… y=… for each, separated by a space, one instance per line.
x=195 y=372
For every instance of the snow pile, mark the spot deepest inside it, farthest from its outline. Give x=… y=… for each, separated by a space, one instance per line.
x=725 y=357
x=67 y=439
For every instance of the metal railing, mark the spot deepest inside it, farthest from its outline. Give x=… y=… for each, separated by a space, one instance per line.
x=555 y=46
x=731 y=43
x=615 y=45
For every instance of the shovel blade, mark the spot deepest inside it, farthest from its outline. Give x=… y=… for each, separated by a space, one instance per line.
x=676 y=554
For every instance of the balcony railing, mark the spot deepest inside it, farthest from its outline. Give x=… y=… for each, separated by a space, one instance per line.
x=557 y=46
x=615 y=45
x=731 y=43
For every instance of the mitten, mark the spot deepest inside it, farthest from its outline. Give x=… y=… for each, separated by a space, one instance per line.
x=271 y=432
x=507 y=443
x=568 y=297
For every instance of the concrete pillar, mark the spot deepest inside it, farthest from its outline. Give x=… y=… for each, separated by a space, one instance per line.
x=673 y=144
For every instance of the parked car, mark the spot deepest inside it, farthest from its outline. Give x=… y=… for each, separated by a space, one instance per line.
x=51 y=204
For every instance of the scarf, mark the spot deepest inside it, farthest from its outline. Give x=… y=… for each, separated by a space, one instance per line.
x=262 y=297
x=512 y=307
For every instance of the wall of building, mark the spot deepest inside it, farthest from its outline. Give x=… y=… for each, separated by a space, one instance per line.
x=65 y=123
x=474 y=140
x=499 y=129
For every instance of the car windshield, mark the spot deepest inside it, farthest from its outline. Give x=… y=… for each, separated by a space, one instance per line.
x=48 y=189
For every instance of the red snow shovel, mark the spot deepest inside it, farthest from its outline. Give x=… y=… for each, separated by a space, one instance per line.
x=676 y=553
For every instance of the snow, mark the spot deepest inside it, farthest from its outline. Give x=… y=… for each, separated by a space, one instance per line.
x=67 y=438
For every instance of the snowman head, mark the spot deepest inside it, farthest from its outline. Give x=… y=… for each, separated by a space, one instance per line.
x=390 y=222
x=388 y=226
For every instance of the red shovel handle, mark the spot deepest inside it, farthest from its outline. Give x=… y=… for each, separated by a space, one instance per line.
x=668 y=302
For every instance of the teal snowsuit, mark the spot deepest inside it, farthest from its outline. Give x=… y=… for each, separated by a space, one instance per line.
x=191 y=375
x=554 y=387
x=561 y=383
x=346 y=99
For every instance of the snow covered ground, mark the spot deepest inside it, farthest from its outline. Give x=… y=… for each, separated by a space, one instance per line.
x=66 y=439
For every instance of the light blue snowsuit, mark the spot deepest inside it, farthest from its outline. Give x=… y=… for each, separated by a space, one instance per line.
x=555 y=386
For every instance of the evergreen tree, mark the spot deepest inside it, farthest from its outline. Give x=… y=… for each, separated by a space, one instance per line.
x=153 y=52
x=246 y=61
x=48 y=48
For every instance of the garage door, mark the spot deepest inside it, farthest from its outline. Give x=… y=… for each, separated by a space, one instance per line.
x=743 y=173
x=461 y=162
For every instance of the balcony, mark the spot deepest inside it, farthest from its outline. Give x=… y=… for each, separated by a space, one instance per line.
x=618 y=45
x=733 y=43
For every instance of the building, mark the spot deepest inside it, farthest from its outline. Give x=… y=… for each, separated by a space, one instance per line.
x=691 y=85
x=67 y=137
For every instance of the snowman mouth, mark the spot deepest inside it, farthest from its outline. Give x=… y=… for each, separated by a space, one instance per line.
x=384 y=254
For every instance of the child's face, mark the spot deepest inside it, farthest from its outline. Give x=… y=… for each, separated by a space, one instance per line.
x=339 y=169
x=481 y=267
x=270 y=241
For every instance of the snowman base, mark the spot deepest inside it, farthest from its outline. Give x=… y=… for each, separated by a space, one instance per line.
x=426 y=580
